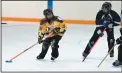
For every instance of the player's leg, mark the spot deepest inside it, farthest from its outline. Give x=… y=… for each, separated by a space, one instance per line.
x=111 y=40
x=92 y=41
x=119 y=61
x=55 y=46
x=120 y=53
x=45 y=47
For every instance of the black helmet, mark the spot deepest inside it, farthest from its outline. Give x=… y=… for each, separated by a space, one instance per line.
x=47 y=12
x=107 y=5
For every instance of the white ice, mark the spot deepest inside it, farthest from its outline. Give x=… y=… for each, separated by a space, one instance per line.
x=16 y=37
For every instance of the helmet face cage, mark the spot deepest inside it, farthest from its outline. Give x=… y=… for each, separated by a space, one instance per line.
x=106 y=7
x=47 y=12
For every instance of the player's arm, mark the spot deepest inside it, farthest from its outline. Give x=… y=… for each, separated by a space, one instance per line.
x=99 y=20
x=41 y=31
x=61 y=29
x=117 y=19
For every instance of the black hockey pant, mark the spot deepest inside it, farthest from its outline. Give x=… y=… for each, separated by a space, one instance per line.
x=94 y=38
x=120 y=53
x=53 y=41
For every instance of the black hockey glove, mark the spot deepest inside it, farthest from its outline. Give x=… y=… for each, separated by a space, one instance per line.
x=119 y=41
x=101 y=34
x=40 y=40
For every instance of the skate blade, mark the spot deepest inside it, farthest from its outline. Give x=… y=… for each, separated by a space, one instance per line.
x=83 y=59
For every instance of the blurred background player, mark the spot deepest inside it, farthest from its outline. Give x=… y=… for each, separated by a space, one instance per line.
x=54 y=28
x=118 y=62
x=105 y=18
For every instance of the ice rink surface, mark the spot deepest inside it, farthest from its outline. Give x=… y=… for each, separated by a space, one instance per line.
x=16 y=37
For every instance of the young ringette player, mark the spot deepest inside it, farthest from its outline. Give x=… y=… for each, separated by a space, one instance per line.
x=53 y=27
x=106 y=19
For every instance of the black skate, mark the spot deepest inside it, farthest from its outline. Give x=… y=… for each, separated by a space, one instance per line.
x=84 y=55
x=53 y=58
x=39 y=57
x=117 y=63
x=111 y=54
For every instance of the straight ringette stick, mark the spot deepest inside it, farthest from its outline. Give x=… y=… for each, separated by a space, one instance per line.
x=21 y=53
x=8 y=61
x=107 y=55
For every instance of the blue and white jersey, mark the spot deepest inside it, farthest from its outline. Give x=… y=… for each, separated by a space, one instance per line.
x=113 y=16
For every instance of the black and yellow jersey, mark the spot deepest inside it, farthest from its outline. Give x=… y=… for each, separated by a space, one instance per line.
x=47 y=26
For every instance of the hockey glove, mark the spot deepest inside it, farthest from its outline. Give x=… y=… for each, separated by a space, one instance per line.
x=40 y=40
x=99 y=32
x=119 y=41
x=108 y=24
